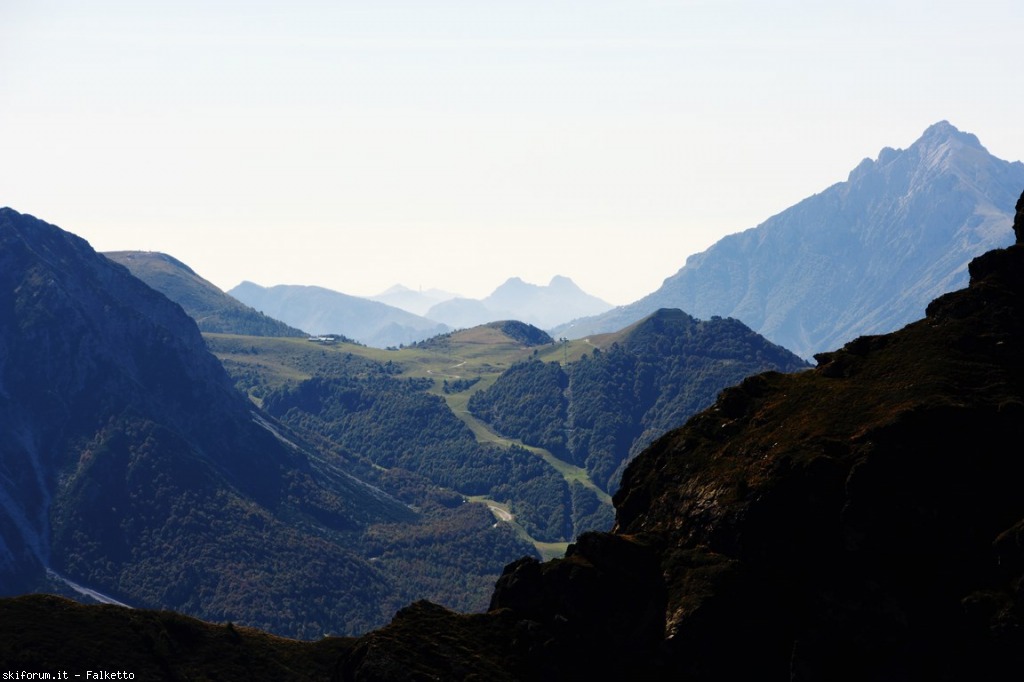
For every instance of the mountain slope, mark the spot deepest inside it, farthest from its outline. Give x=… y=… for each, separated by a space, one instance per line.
x=864 y=256
x=322 y=311
x=212 y=309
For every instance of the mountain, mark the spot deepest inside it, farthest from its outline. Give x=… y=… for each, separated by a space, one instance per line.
x=464 y=313
x=212 y=309
x=322 y=311
x=543 y=306
x=412 y=301
x=860 y=520
x=864 y=256
x=601 y=410
x=132 y=471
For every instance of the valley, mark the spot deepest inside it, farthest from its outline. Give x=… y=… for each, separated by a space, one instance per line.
x=479 y=356
x=501 y=413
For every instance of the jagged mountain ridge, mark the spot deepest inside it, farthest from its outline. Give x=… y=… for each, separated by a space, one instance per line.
x=864 y=256
x=861 y=520
x=322 y=311
x=212 y=309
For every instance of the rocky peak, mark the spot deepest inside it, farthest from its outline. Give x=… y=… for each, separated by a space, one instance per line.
x=562 y=283
x=944 y=132
x=941 y=148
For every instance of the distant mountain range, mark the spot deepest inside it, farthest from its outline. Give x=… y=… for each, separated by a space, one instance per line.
x=317 y=310
x=212 y=309
x=543 y=306
x=864 y=256
x=409 y=300
x=385 y=320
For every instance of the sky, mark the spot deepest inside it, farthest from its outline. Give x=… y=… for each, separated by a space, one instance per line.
x=454 y=144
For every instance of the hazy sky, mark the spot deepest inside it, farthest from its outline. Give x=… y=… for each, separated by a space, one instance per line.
x=454 y=144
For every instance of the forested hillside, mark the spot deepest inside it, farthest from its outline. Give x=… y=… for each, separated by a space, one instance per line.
x=398 y=426
x=601 y=410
